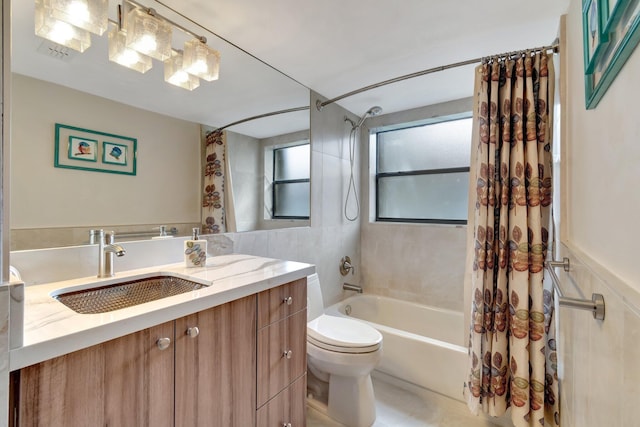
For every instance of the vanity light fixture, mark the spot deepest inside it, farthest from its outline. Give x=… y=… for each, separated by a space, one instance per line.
x=48 y=26
x=89 y=15
x=121 y=54
x=175 y=74
x=148 y=34
x=200 y=60
x=139 y=35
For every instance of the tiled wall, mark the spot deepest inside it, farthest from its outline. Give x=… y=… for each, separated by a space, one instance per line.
x=424 y=263
x=413 y=262
x=599 y=360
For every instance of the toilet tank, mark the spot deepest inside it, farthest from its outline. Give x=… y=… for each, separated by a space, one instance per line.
x=315 y=305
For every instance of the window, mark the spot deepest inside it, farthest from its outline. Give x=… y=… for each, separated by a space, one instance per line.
x=422 y=173
x=291 y=182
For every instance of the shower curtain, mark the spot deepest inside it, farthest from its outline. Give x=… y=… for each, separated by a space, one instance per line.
x=512 y=360
x=215 y=200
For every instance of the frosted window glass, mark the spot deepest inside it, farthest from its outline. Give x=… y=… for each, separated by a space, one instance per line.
x=435 y=146
x=291 y=199
x=292 y=163
x=425 y=197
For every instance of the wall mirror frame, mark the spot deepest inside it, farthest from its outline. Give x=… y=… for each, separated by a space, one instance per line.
x=56 y=207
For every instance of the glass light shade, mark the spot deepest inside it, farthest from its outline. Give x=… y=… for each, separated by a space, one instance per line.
x=148 y=35
x=176 y=75
x=121 y=54
x=90 y=15
x=201 y=60
x=62 y=33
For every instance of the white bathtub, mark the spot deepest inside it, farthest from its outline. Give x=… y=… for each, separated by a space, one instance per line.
x=422 y=345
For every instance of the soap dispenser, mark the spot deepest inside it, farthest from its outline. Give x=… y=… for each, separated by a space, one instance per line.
x=195 y=250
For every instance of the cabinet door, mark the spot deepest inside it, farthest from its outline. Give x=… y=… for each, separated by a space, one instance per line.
x=215 y=369
x=124 y=382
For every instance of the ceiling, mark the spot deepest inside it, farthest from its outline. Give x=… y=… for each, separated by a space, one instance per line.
x=329 y=46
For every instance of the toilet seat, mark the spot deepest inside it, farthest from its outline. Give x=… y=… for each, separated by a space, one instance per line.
x=343 y=335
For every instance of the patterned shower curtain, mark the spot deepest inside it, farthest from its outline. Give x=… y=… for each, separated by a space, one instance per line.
x=213 y=211
x=512 y=356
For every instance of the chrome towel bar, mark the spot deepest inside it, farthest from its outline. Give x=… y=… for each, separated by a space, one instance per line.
x=595 y=305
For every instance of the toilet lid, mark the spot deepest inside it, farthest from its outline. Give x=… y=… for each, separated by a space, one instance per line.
x=343 y=334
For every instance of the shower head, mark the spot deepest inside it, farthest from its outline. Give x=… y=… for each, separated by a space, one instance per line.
x=373 y=111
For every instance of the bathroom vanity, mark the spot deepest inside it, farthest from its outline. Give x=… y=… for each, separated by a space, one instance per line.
x=232 y=353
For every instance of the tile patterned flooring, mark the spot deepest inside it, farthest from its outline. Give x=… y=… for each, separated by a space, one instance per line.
x=396 y=406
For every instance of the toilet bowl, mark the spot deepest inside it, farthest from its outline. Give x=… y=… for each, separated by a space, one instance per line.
x=341 y=352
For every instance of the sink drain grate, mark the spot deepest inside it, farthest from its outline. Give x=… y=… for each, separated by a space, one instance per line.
x=123 y=295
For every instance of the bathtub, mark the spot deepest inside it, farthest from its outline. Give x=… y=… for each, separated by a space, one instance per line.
x=422 y=345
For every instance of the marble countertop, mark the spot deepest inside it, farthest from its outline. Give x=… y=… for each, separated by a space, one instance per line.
x=51 y=329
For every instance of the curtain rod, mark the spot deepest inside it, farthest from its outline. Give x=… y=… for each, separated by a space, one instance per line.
x=553 y=47
x=260 y=116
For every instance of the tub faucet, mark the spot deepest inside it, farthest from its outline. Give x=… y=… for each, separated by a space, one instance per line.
x=106 y=249
x=350 y=287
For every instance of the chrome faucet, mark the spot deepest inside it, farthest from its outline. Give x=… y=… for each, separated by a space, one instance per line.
x=106 y=249
x=350 y=287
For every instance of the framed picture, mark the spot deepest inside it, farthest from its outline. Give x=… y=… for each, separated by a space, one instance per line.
x=595 y=38
x=89 y=150
x=84 y=149
x=115 y=154
x=619 y=21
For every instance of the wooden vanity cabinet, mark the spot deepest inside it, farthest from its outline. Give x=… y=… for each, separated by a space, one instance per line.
x=134 y=381
x=282 y=355
x=240 y=364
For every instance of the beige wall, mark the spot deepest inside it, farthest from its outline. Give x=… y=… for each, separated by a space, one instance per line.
x=603 y=163
x=600 y=377
x=164 y=190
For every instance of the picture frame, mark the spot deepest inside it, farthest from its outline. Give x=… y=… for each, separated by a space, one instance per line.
x=94 y=151
x=595 y=38
x=611 y=10
x=619 y=20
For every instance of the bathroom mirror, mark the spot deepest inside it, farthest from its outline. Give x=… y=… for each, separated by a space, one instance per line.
x=86 y=91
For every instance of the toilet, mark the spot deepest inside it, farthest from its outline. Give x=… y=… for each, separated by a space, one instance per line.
x=341 y=353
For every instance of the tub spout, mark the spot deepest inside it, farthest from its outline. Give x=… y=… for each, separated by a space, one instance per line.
x=350 y=287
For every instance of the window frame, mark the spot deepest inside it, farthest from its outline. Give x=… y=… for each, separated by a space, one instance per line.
x=275 y=183
x=440 y=171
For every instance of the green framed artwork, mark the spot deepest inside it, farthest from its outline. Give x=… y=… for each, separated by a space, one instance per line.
x=90 y=150
x=610 y=34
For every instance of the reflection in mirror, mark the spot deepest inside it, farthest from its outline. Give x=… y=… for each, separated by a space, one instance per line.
x=52 y=206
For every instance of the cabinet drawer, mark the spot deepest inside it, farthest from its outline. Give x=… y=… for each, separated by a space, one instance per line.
x=277 y=303
x=288 y=406
x=282 y=355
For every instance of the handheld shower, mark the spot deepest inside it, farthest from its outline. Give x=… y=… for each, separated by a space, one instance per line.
x=353 y=135
x=373 y=111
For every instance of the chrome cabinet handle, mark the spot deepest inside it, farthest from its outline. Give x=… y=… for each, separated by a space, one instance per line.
x=193 y=332
x=286 y=425
x=163 y=343
x=288 y=300
x=287 y=354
